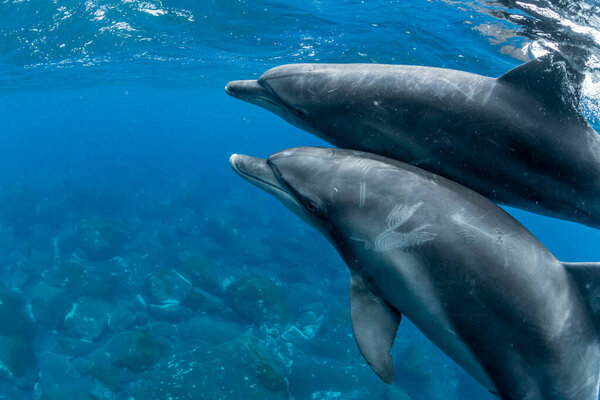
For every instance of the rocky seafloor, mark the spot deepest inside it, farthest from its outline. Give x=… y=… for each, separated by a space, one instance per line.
x=120 y=295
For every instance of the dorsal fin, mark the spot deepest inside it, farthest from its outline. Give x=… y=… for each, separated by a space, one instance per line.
x=374 y=322
x=587 y=279
x=553 y=80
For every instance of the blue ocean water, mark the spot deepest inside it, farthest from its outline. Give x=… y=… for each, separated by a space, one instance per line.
x=136 y=265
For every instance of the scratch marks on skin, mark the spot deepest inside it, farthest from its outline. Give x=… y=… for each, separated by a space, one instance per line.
x=391 y=238
x=366 y=167
x=498 y=238
x=501 y=248
x=362 y=194
x=400 y=215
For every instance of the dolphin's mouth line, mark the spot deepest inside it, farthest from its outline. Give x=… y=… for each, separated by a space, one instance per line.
x=266 y=100
x=262 y=182
x=250 y=99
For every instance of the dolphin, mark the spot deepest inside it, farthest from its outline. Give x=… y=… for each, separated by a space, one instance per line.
x=519 y=140
x=476 y=282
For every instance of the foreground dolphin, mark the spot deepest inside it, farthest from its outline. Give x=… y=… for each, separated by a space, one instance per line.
x=519 y=140
x=468 y=275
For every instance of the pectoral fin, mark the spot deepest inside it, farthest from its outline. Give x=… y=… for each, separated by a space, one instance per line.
x=374 y=322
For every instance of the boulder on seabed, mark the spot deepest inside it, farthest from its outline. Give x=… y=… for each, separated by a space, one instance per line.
x=306 y=325
x=249 y=373
x=319 y=378
x=13 y=318
x=101 y=238
x=163 y=329
x=56 y=369
x=134 y=350
x=209 y=330
x=202 y=272
x=49 y=305
x=201 y=301
x=75 y=347
x=106 y=372
x=17 y=362
x=425 y=372
x=101 y=279
x=258 y=299
x=69 y=395
x=120 y=319
x=87 y=319
x=165 y=287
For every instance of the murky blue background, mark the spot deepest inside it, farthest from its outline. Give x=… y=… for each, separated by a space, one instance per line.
x=135 y=264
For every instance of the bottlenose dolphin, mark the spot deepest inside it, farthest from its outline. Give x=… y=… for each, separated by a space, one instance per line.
x=477 y=283
x=519 y=140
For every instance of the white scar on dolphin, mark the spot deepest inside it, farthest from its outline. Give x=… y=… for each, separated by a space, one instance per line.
x=391 y=239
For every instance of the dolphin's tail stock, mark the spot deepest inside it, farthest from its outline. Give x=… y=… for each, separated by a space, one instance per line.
x=587 y=278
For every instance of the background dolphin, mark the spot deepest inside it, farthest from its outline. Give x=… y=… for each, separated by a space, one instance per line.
x=519 y=140
x=470 y=277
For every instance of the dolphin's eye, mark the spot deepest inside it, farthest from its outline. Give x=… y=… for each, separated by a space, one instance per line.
x=312 y=207
x=299 y=113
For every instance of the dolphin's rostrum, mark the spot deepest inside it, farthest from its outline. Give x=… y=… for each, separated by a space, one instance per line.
x=467 y=274
x=519 y=140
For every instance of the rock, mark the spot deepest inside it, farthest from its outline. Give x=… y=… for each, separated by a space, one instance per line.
x=201 y=301
x=305 y=326
x=105 y=372
x=101 y=279
x=54 y=370
x=73 y=347
x=68 y=276
x=49 y=305
x=69 y=395
x=334 y=338
x=35 y=261
x=233 y=370
x=87 y=319
x=120 y=319
x=258 y=299
x=316 y=378
x=141 y=317
x=13 y=318
x=17 y=363
x=101 y=238
x=166 y=287
x=425 y=372
x=163 y=329
x=169 y=312
x=209 y=330
x=101 y=284
x=134 y=350
x=202 y=272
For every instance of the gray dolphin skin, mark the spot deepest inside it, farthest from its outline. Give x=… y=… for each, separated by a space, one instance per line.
x=519 y=140
x=477 y=283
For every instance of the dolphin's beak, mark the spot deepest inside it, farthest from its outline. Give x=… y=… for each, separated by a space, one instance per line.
x=258 y=172
x=252 y=92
